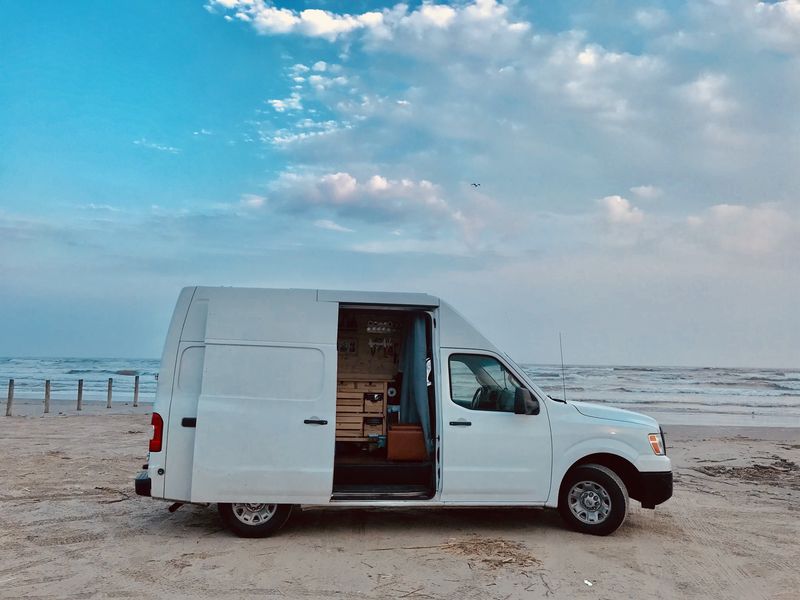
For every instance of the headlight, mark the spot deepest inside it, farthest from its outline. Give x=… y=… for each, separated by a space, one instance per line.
x=655 y=443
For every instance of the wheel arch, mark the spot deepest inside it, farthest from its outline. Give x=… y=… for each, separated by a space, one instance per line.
x=624 y=469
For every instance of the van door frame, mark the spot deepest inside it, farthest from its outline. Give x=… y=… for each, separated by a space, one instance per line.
x=432 y=312
x=437 y=403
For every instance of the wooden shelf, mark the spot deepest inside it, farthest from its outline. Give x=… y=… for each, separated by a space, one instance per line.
x=353 y=398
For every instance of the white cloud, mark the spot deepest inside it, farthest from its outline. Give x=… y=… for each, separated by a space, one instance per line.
x=590 y=77
x=493 y=55
x=145 y=143
x=383 y=25
x=412 y=246
x=619 y=210
x=430 y=15
x=320 y=82
x=340 y=187
x=376 y=183
x=778 y=24
x=651 y=18
x=252 y=201
x=646 y=192
x=303 y=131
x=321 y=23
x=709 y=93
x=755 y=26
x=202 y=132
x=103 y=207
x=272 y=20
x=267 y=19
x=332 y=226
x=376 y=199
x=293 y=102
x=755 y=231
x=485 y=96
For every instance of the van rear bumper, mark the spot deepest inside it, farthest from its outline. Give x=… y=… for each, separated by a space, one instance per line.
x=142 y=484
x=655 y=488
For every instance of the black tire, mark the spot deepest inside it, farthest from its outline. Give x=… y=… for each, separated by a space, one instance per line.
x=250 y=521
x=587 y=485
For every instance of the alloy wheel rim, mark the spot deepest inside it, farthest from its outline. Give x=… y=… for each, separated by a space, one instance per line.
x=254 y=514
x=589 y=502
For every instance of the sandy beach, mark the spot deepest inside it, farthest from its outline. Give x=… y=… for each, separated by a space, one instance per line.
x=71 y=527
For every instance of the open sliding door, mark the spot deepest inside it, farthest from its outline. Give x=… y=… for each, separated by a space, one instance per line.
x=266 y=413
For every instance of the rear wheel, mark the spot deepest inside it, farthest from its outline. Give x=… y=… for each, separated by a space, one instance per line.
x=593 y=499
x=254 y=520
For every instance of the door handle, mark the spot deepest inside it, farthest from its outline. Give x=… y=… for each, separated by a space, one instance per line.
x=189 y=421
x=315 y=421
x=461 y=423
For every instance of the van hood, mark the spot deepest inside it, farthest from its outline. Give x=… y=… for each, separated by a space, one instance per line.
x=610 y=413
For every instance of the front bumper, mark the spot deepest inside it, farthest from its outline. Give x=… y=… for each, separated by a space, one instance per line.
x=655 y=488
x=142 y=484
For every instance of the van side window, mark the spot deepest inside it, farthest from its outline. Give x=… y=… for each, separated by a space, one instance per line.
x=480 y=382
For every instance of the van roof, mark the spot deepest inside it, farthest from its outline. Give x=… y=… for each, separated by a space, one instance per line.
x=355 y=297
x=350 y=296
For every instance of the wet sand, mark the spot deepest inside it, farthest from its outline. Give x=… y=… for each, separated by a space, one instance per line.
x=71 y=527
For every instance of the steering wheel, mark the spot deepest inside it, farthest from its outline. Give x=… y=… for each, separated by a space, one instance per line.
x=483 y=393
x=476 y=397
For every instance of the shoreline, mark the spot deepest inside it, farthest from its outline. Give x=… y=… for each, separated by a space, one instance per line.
x=27 y=408
x=32 y=407
x=683 y=433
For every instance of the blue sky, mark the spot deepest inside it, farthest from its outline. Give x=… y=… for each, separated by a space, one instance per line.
x=638 y=168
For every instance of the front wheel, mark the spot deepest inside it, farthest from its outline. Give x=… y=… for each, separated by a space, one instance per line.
x=254 y=520
x=593 y=499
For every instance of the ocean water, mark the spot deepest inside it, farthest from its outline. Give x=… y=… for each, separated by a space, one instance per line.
x=29 y=375
x=684 y=395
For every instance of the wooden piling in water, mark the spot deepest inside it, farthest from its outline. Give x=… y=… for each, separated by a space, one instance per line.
x=136 y=391
x=108 y=399
x=46 y=396
x=10 y=400
x=80 y=394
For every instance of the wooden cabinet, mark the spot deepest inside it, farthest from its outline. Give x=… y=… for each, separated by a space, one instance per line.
x=360 y=408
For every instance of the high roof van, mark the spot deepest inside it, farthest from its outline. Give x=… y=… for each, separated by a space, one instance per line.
x=273 y=398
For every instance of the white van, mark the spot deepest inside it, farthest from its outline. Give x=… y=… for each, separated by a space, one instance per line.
x=270 y=398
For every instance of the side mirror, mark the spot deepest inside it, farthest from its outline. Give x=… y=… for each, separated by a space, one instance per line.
x=525 y=403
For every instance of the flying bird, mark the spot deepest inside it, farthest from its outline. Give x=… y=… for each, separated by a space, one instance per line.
x=475 y=185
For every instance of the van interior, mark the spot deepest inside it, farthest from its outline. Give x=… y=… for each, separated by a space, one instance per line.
x=385 y=403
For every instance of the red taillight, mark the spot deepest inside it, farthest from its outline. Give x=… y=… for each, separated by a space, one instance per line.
x=158 y=429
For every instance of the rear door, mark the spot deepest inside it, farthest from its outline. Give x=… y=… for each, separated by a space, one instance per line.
x=179 y=420
x=489 y=454
x=179 y=431
x=267 y=409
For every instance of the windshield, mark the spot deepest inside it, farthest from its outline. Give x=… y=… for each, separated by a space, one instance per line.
x=531 y=384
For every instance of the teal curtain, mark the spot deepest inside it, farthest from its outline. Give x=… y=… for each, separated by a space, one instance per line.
x=414 y=391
